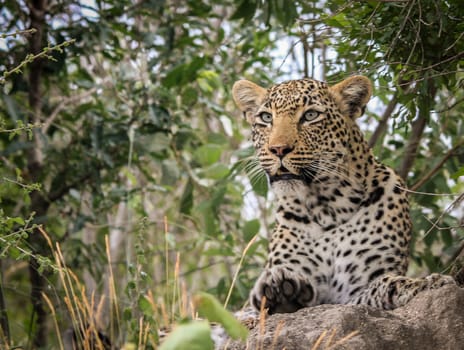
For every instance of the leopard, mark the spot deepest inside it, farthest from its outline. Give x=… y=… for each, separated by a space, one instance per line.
x=342 y=221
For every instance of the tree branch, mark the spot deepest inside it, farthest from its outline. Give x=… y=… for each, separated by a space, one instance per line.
x=304 y=42
x=410 y=153
x=62 y=105
x=437 y=167
x=424 y=102
x=451 y=106
x=382 y=126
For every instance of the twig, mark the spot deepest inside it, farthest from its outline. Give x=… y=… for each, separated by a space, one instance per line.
x=447 y=209
x=20 y=128
x=450 y=107
x=18 y=32
x=62 y=105
x=428 y=193
x=437 y=167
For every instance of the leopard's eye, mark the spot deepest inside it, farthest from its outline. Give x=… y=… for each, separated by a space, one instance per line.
x=266 y=117
x=310 y=115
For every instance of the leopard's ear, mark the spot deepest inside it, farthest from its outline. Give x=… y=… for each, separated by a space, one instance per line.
x=248 y=96
x=352 y=95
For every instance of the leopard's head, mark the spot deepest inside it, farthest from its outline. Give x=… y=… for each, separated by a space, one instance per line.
x=301 y=127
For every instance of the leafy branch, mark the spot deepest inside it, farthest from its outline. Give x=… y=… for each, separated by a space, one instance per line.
x=28 y=187
x=12 y=243
x=20 y=127
x=45 y=53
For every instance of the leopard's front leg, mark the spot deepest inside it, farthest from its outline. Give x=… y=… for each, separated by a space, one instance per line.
x=288 y=280
x=390 y=291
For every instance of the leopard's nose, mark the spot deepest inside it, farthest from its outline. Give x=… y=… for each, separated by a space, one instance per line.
x=281 y=150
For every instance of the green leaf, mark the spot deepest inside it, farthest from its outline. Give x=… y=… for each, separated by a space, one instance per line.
x=208 y=81
x=145 y=306
x=447 y=237
x=458 y=173
x=217 y=138
x=127 y=314
x=250 y=229
x=189 y=96
x=285 y=11
x=186 y=201
x=338 y=21
x=216 y=171
x=170 y=172
x=246 y=10
x=260 y=185
x=206 y=210
x=218 y=251
x=217 y=198
x=191 y=336
x=210 y=308
x=184 y=73
x=16 y=220
x=208 y=154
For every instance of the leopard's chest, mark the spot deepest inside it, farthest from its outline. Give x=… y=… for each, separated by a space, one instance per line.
x=317 y=209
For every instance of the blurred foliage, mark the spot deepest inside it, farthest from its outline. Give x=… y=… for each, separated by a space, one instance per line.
x=135 y=138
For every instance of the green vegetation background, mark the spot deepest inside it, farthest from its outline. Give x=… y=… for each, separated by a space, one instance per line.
x=126 y=177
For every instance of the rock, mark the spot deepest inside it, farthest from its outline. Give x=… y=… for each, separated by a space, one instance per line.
x=432 y=320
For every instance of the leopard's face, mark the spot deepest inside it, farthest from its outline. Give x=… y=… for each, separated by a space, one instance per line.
x=297 y=130
x=300 y=128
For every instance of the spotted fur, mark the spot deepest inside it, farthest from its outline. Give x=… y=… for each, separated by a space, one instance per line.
x=342 y=222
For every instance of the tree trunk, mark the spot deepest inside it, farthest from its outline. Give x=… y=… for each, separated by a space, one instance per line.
x=39 y=204
x=4 y=324
x=426 y=102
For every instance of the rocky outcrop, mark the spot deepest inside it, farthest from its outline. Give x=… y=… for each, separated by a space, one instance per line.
x=432 y=320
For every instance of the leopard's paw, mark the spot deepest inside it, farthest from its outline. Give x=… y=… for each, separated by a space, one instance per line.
x=436 y=280
x=284 y=290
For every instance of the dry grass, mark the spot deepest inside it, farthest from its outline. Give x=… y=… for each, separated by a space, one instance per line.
x=86 y=315
x=329 y=342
